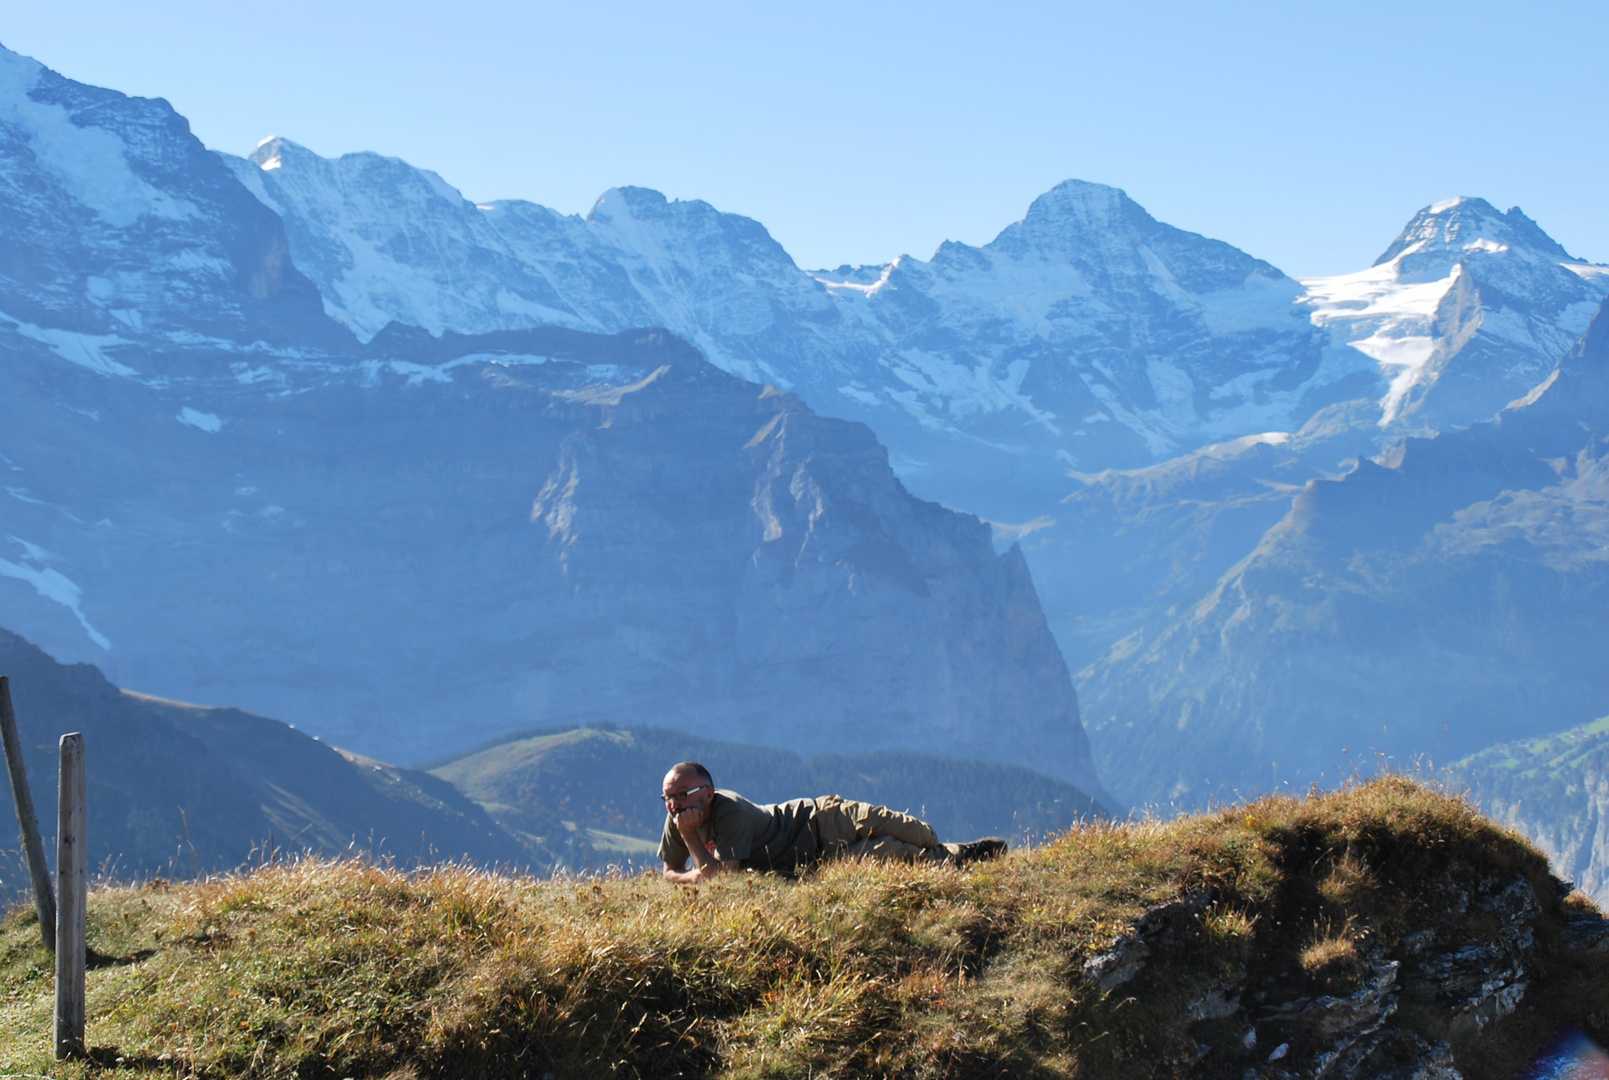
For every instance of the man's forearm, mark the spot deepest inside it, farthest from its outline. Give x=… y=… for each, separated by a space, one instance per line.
x=698 y=873
x=705 y=865
x=696 y=848
x=681 y=877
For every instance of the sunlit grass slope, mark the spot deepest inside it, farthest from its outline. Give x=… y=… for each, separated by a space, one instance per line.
x=323 y=969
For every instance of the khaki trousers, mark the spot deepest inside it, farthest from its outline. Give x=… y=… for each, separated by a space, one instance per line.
x=850 y=829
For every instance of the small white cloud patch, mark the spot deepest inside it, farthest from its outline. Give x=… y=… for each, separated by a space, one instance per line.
x=206 y=421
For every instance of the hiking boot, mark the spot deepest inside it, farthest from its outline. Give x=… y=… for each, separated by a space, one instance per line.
x=977 y=851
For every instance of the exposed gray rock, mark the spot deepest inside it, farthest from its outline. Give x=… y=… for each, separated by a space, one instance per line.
x=1126 y=957
x=1465 y=981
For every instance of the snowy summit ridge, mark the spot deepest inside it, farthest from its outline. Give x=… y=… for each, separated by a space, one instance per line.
x=1466 y=311
x=1088 y=333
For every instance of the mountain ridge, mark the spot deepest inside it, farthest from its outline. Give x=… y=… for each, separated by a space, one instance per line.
x=184 y=790
x=1436 y=602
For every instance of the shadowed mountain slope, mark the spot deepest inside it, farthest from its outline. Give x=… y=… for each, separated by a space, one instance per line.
x=1554 y=788
x=178 y=789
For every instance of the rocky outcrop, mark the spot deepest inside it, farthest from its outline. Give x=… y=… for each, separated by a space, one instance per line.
x=1409 y=999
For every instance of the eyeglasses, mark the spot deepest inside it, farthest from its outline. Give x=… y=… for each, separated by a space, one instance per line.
x=681 y=794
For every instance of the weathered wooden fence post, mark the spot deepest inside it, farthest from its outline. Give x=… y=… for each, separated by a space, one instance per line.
x=27 y=821
x=72 y=880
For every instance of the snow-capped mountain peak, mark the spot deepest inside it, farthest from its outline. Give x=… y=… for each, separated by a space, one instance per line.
x=267 y=154
x=89 y=162
x=1088 y=332
x=633 y=202
x=1445 y=232
x=1086 y=206
x=1096 y=225
x=1468 y=291
x=117 y=220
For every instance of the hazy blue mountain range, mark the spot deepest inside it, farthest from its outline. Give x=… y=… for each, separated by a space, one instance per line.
x=1088 y=332
x=1134 y=403
x=602 y=783
x=1086 y=336
x=1445 y=598
x=1465 y=312
x=413 y=543
x=367 y=409
x=413 y=569
x=177 y=789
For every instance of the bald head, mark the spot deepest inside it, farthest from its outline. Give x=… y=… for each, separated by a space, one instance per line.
x=690 y=771
x=688 y=784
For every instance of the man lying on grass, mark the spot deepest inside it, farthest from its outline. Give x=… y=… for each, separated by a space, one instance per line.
x=721 y=830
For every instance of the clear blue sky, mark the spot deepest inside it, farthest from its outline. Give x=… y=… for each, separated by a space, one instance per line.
x=1305 y=133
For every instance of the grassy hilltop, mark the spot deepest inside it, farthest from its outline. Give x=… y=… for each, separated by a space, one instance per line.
x=1330 y=925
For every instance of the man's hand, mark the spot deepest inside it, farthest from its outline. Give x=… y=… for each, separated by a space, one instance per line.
x=689 y=820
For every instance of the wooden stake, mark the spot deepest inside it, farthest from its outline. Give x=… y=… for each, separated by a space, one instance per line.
x=72 y=880
x=27 y=821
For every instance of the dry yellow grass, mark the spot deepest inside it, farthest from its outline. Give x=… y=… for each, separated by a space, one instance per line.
x=338 y=969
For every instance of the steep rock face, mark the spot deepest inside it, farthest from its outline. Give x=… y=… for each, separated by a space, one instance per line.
x=117 y=220
x=1447 y=600
x=1555 y=790
x=466 y=536
x=179 y=789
